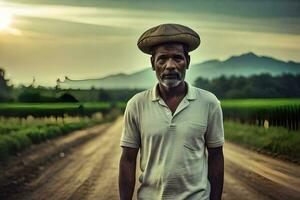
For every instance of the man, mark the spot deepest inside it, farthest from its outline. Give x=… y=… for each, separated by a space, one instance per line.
x=177 y=128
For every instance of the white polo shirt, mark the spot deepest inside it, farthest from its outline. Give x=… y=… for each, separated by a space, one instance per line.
x=173 y=156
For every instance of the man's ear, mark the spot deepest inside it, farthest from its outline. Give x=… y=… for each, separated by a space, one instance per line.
x=188 y=60
x=152 y=63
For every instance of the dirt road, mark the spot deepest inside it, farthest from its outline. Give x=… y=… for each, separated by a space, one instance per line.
x=88 y=170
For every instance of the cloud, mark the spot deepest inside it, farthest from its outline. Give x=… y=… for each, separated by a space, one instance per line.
x=240 y=8
x=57 y=28
x=231 y=15
x=92 y=38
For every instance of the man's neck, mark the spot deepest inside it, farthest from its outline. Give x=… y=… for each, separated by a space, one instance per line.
x=174 y=92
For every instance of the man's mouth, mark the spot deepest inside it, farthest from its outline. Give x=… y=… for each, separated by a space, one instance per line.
x=170 y=76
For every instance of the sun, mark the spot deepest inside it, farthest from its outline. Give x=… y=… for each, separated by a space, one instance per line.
x=5 y=20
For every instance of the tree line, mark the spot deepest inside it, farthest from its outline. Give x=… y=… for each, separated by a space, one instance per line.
x=255 y=86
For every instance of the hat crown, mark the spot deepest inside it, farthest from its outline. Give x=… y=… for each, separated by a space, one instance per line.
x=168 y=33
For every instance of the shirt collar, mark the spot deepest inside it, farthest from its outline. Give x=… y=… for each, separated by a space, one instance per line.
x=191 y=93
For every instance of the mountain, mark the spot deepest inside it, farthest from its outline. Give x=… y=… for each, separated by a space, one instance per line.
x=242 y=65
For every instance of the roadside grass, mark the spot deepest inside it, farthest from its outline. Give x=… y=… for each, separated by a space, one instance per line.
x=17 y=134
x=275 y=140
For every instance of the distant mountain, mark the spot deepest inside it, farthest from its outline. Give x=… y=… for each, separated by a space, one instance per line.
x=242 y=65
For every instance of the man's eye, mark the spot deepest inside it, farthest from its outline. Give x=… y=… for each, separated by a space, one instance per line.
x=178 y=58
x=161 y=60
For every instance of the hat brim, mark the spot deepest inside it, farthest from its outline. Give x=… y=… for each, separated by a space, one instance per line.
x=190 y=40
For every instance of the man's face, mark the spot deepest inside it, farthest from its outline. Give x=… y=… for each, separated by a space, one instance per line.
x=170 y=63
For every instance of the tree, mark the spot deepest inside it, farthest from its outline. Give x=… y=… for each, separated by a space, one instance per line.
x=202 y=83
x=5 y=89
x=66 y=97
x=104 y=95
x=29 y=96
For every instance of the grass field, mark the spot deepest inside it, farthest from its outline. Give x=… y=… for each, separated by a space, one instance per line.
x=56 y=109
x=50 y=106
x=259 y=103
x=242 y=103
x=277 y=112
x=20 y=131
x=17 y=134
x=275 y=140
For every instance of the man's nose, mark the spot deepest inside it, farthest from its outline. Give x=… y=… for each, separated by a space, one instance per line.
x=170 y=64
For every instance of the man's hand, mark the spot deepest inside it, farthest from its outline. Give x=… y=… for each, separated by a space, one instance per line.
x=127 y=172
x=216 y=172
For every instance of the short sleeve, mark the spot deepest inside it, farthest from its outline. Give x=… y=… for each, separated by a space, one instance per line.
x=215 y=131
x=130 y=132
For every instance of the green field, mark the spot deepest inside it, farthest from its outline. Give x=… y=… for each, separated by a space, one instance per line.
x=241 y=103
x=51 y=106
x=274 y=112
x=56 y=109
x=259 y=103
x=277 y=112
x=22 y=124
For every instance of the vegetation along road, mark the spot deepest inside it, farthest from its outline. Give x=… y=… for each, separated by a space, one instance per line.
x=84 y=165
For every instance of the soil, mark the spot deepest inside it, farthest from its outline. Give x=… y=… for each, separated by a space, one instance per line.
x=84 y=165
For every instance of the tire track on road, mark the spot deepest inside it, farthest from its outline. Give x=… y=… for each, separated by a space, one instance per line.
x=90 y=171
x=264 y=176
x=104 y=170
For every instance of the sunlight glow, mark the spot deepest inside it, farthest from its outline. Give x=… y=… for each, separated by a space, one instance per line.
x=5 y=20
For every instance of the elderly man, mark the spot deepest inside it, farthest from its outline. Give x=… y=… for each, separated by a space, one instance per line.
x=177 y=128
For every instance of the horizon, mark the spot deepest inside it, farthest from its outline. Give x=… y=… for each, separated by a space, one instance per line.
x=142 y=69
x=48 y=40
x=145 y=68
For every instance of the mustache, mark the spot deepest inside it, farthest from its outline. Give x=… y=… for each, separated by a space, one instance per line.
x=177 y=74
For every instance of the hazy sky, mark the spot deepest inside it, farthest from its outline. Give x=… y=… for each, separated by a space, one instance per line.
x=49 y=39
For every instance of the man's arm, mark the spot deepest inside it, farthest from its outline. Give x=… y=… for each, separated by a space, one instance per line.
x=216 y=172
x=127 y=172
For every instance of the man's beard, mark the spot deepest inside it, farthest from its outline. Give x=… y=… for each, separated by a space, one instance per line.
x=171 y=79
